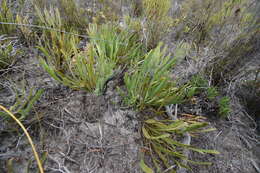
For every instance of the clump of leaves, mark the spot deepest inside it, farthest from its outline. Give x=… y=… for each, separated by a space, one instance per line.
x=212 y=93
x=6 y=15
x=8 y=52
x=54 y=43
x=162 y=139
x=150 y=83
x=89 y=69
x=114 y=43
x=84 y=69
x=224 y=106
x=24 y=104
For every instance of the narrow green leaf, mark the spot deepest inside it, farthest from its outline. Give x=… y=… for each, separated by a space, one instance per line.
x=145 y=168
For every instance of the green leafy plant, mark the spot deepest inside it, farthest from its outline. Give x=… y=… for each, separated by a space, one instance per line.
x=6 y=15
x=89 y=69
x=84 y=71
x=114 y=43
x=212 y=93
x=150 y=83
x=224 y=106
x=55 y=44
x=162 y=139
x=23 y=104
x=8 y=52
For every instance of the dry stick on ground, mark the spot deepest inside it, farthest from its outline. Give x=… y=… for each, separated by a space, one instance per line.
x=186 y=140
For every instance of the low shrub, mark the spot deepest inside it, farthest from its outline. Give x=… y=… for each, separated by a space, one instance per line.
x=150 y=83
x=89 y=69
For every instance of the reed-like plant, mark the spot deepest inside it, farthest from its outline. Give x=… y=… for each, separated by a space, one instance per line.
x=150 y=83
x=84 y=70
x=6 y=15
x=115 y=43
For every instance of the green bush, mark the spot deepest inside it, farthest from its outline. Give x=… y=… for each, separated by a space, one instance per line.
x=89 y=69
x=150 y=83
x=68 y=14
x=114 y=43
x=83 y=71
x=200 y=19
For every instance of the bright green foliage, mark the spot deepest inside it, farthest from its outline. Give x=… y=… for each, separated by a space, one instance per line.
x=162 y=138
x=115 y=43
x=212 y=93
x=150 y=84
x=6 y=15
x=85 y=70
x=224 y=106
x=91 y=68
x=157 y=21
x=23 y=105
x=7 y=52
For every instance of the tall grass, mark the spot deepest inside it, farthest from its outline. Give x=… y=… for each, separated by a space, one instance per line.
x=6 y=15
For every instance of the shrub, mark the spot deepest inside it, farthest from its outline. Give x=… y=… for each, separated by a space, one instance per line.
x=83 y=71
x=115 y=43
x=68 y=12
x=89 y=69
x=206 y=19
x=157 y=21
x=150 y=84
x=73 y=16
x=55 y=44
